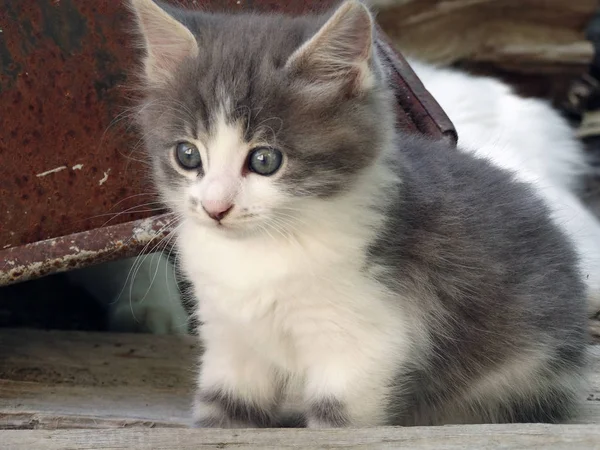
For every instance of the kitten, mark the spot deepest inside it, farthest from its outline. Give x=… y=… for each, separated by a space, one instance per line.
x=382 y=277
x=142 y=294
x=526 y=136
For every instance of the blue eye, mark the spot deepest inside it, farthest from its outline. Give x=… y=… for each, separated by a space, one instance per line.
x=265 y=160
x=188 y=156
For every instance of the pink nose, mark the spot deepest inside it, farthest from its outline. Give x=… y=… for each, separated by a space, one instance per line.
x=217 y=210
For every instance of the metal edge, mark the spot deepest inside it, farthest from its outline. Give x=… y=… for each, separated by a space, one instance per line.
x=83 y=249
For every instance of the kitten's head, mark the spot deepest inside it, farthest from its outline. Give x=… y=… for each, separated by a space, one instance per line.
x=251 y=119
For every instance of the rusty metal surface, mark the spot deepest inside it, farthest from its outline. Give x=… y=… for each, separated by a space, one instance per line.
x=64 y=78
x=81 y=249
x=63 y=69
x=68 y=158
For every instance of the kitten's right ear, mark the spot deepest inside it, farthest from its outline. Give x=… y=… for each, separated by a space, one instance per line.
x=167 y=41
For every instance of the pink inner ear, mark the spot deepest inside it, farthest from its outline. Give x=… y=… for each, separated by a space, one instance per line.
x=167 y=52
x=341 y=49
x=168 y=42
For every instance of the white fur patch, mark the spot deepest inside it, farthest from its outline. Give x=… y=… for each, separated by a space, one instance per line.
x=141 y=293
x=301 y=304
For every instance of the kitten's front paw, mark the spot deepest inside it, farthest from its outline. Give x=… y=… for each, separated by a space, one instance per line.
x=327 y=413
x=213 y=420
x=217 y=409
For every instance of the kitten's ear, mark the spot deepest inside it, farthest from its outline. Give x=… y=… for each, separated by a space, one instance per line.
x=167 y=41
x=341 y=51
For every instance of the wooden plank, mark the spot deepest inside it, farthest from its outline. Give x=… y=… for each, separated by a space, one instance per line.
x=57 y=380
x=564 y=437
x=73 y=379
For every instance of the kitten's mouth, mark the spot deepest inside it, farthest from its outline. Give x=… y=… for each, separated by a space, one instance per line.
x=243 y=224
x=247 y=216
x=226 y=226
x=220 y=225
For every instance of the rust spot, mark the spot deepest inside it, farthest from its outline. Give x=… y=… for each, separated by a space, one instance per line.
x=63 y=68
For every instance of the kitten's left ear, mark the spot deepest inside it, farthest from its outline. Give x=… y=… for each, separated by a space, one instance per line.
x=167 y=41
x=341 y=52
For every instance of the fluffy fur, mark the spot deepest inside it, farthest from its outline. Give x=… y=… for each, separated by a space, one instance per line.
x=530 y=139
x=382 y=278
x=141 y=294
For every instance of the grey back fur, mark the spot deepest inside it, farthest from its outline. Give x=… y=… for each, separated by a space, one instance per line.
x=503 y=280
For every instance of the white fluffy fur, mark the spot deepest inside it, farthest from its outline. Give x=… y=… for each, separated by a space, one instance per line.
x=142 y=294
x=278 y=305
x=530 y=138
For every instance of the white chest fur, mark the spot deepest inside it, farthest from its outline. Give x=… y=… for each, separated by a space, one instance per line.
x=288 y=298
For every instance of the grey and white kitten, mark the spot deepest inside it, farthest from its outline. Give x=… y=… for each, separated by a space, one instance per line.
x=380 y=277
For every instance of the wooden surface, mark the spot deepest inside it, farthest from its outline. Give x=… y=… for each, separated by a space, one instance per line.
x=53 y=382
x=567 y=437
x=75 y=379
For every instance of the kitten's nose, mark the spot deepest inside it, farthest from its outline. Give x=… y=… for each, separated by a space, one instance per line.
x=217 y=210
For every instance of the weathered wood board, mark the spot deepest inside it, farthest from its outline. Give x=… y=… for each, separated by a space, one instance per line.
x=517 y=437
x=58 y=380
x=89 y=380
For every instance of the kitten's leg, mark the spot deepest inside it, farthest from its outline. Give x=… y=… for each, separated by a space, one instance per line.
x=554 y=403
x=236 y=388
x=536 y=386
x=341 y=393
x=348 y=384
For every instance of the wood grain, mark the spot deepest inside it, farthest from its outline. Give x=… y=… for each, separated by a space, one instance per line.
x=51 y=379
x=563 y=437
x=62 y=380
